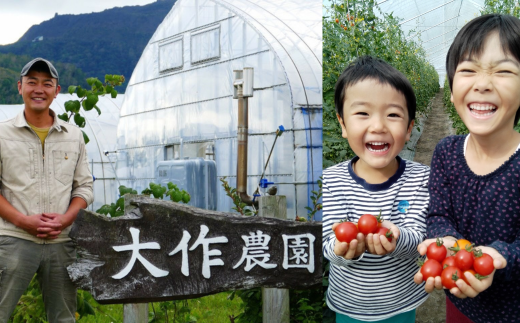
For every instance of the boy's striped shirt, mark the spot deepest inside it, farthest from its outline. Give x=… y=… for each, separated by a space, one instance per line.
x=376 y=287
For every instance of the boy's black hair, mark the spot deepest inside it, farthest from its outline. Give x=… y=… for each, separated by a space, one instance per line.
x=368 y=67
x=469 y=42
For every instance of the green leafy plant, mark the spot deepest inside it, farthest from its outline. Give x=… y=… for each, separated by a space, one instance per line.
x=240 y=206
x=315 y=198
x=157 y=190
x=89 y=98
x=352 y=29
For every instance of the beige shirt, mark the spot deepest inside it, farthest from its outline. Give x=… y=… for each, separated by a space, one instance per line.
x=34 y=184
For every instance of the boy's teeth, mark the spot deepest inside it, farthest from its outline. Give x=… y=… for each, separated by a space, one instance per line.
x=377 y=146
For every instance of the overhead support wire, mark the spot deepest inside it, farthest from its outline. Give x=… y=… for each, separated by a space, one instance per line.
x=430 y=27
x=422 y=14
x=424 y=42
x=444 y=42
x=429 y=55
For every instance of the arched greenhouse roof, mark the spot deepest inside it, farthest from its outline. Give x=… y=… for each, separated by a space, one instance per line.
x=181 y=93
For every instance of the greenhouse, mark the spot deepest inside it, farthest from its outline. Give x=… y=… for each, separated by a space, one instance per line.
x=179 y=108
x=433 y=24
x=101 y=130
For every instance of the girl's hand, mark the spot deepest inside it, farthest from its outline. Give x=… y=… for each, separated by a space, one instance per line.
x=432 y=283
x=350 y=250
x=378 y=244
x=476 y=286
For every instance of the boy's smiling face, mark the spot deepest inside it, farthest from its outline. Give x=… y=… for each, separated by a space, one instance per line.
x=375 y=122
x=486 y=89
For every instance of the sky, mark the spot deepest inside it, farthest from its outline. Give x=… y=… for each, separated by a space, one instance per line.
x=17 y=16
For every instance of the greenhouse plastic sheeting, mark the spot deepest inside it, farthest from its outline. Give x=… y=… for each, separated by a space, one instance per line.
x=101 y=130
x=433 y=24
x=181 y=93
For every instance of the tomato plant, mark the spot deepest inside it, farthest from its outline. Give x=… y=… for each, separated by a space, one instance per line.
x=483 y=263
x=436 y=250
x=386 y=232
x=448 y=261
x=449 y=276
x=430 y=268
x=346 y=232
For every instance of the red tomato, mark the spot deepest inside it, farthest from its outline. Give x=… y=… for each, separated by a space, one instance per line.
x=448 y=261
x=436 y=250
x=431 y=268
x=464 y=259
x=449 y=276
x=386 y=232
x=346 y=232
x=484 y=264
x=368 y=223
x=463 y=276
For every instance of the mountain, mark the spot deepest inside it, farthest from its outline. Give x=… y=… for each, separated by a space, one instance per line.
x=107 y=42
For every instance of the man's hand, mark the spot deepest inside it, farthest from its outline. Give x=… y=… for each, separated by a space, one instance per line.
x=350 y=250
x=378 y=244
x=40 y=226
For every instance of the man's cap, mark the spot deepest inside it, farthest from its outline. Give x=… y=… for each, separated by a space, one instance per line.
x=29 y=65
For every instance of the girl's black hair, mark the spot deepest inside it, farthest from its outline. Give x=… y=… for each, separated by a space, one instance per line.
x=368 y=67
x=469 y=42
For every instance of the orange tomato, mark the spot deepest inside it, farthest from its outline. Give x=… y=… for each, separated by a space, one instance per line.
x=462 y=243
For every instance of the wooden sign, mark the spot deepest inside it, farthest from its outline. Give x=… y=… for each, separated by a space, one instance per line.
x=162 y=250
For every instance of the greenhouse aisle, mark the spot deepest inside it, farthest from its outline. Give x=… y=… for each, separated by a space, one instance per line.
x=437 y=126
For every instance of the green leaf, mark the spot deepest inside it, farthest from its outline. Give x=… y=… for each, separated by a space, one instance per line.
x=158 y=191
x=64 y=116
x=85 y=137
x=97 y=109
x=176 y=196
x=91 y=80
x=186 y=197
x=113 y=94
x=98 y=84
x=72 y=106
x=90 y=102
x=120 y=203
x=108 y=89
x=81 y=92
x=79 y=120
x=72 y=89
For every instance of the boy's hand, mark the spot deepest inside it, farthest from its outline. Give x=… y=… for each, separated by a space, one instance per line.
x=350 y=250
x=378 y=244
x=476 y=286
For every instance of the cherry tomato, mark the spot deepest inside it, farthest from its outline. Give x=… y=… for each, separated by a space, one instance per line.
x=367 y=223
x=449 y=275
x=483 y=264
x=386 y=232
x=431 y=268
x=436 y=250
x=464 y=259
x=463 y=276
x=448 y=261
x=461 y=244
x=346 y=232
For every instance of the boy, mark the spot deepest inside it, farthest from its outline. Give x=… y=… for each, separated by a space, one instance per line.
x=45 y=180
x=375 y=106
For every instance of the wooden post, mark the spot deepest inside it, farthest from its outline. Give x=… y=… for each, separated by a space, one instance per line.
x=134 y=313
x=275 y=301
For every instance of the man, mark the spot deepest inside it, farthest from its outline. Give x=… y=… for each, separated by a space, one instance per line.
x=45 y=180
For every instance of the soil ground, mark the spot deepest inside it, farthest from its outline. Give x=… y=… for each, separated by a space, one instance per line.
x=436 y=127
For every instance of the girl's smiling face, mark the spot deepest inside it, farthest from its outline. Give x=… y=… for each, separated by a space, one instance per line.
x=486 y=89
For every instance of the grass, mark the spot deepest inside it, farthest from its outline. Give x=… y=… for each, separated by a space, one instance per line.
x=212 y=308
